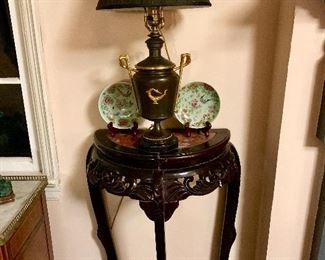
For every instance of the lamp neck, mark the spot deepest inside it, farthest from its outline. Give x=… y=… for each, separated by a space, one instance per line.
x=154 y=45
x=154 y=20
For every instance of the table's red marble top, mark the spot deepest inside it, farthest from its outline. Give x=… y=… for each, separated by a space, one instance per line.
x=131 y=141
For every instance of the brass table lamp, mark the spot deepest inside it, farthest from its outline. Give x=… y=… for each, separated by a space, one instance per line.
x=155 y=79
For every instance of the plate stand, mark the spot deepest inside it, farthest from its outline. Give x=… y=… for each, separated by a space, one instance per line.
x=132 y=131
x=206 y=130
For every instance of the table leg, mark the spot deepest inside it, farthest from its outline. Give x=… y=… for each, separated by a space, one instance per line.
x=160 y=239
x=229 y=231
x=157 y=213
x=103 y=230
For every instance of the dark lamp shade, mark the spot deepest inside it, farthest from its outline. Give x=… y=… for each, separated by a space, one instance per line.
x=114 y=4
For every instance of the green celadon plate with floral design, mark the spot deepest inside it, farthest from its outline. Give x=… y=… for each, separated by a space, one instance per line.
x=197 y=103
x=117 y=105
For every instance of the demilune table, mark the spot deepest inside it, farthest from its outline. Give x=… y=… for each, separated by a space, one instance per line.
x=160 y=180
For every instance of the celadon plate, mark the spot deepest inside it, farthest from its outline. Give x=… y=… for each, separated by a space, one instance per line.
x=197 y=103
x=117 y=104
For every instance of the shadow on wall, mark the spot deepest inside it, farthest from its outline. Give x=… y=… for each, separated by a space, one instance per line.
x=317 y=11
x=312 y=141
x=265 y=22
x=263 y=19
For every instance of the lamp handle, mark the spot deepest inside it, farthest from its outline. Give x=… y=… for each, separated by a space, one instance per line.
x=125 y=64
x=185 y=61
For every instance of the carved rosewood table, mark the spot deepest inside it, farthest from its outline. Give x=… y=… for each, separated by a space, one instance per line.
x=159 y=181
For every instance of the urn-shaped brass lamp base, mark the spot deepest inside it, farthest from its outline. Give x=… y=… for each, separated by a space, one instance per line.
x=155 y=84
x=154 y=79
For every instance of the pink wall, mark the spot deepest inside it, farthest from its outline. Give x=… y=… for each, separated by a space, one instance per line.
x=233 y=45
